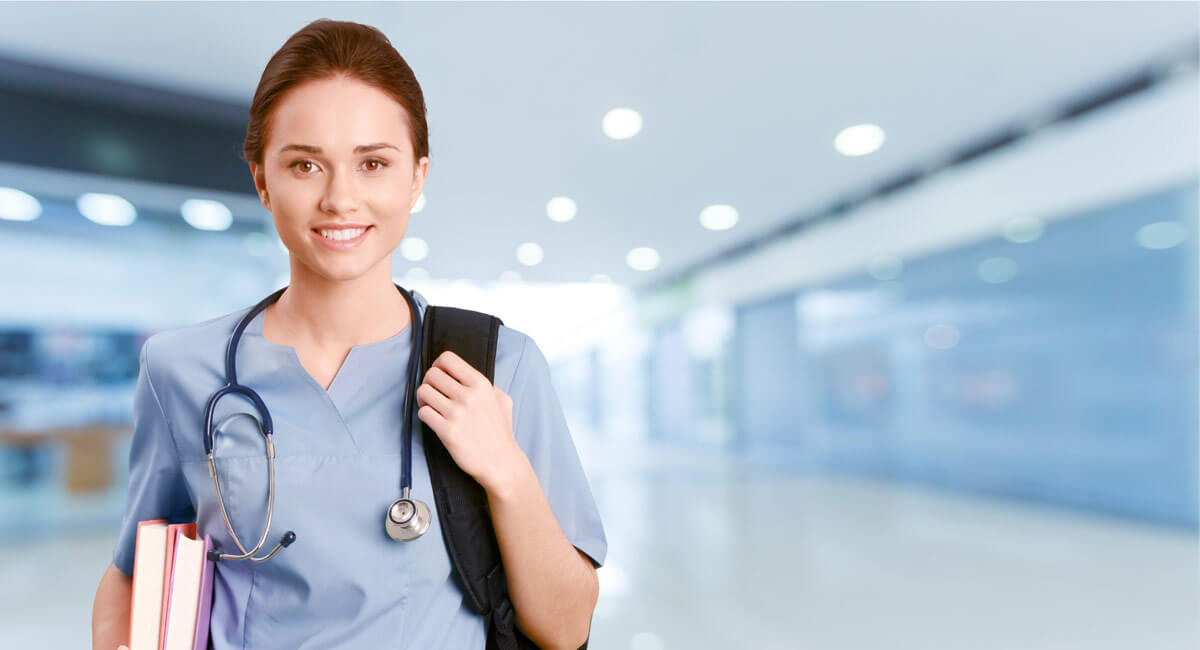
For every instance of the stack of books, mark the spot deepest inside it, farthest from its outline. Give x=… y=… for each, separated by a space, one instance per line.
x=172 y=588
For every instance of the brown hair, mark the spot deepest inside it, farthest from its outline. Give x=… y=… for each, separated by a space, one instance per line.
x=327 y=48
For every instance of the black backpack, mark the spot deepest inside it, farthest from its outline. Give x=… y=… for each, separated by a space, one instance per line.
x=461 y=501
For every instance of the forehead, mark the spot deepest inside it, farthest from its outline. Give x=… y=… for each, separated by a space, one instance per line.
x=337 y=115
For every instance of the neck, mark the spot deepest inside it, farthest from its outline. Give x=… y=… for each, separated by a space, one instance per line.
x=337 y=314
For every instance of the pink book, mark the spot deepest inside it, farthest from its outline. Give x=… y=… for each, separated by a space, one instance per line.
x=190 y=586
x=188 y=530
x=206 y=590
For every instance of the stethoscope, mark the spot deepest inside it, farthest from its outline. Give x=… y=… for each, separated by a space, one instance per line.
x=406 y=519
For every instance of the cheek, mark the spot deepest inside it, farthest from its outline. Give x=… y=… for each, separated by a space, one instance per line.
x=289 y=224
x=391 y=219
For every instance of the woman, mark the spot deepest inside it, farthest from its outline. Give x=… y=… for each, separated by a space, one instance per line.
x=337 y=144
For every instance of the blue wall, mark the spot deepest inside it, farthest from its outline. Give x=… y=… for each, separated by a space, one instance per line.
x=1073 y=383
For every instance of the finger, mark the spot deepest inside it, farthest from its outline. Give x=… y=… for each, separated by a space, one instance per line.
x=505 y=405
x=427 y=394
x=447 y=385
x=431 y=417
x=504 y=400
x=457 y=367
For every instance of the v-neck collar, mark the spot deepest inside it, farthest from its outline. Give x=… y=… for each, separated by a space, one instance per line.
x=334 y=395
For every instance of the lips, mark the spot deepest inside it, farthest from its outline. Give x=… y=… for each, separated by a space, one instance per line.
x=342 y=244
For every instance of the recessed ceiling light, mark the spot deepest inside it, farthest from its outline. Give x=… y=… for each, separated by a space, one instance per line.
x=1023 y=230
x=718 y=217
x=420 y=204
x=529 y=253
x=106 y=209
x=203 y=214
x=414 y=249
x=621 y=123
x=997 y=270
x=642 y=258
x=561 y=209
x=1161 y=235
x=859 y=140
x=16 y=205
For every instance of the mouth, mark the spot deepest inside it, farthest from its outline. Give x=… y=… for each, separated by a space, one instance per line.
x=341 y=238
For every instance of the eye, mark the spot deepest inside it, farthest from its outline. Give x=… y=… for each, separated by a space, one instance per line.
x=381 y=163
x=302 y=161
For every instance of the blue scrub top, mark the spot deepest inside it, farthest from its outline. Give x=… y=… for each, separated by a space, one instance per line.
x=344 y=582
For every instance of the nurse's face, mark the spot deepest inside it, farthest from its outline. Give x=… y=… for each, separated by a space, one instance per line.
x=338 y=155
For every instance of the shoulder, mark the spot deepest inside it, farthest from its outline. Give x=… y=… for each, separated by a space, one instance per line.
x=520 y=364
x=198 y=346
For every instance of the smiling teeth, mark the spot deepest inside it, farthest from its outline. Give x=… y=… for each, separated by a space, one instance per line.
x=342 y=234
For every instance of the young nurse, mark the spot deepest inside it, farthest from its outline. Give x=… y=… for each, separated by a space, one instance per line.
x=337 y=144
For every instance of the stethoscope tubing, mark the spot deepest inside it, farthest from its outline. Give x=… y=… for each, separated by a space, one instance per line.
x=266 y=427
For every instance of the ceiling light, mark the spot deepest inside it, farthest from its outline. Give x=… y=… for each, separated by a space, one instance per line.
x=106 y=209
x=1160 y=235
x=203 y=214
x=642 y=258
x=1023 y=230
x=529 y=253
x=16 y=205
x=621 y=123
x=414 y=249
x=561 y=209
x=859 y=140
x=997 y=270
x=718 y=217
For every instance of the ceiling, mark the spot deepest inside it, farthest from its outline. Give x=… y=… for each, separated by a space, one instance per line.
x=740 y=102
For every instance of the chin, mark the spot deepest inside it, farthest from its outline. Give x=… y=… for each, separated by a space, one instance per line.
x=347 y=269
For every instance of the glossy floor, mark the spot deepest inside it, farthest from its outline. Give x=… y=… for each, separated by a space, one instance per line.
x=706 y=552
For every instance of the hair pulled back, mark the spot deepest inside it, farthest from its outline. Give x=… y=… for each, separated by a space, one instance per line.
x=325 y=49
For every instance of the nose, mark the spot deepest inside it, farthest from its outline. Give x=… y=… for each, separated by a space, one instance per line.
x=341 y=194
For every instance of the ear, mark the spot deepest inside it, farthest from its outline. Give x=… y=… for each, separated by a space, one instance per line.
x=260 y=185
x=420 y=171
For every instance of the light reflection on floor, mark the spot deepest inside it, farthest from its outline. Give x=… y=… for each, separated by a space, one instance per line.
x=705 y=552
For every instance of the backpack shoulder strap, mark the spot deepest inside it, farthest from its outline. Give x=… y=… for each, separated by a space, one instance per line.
x=461 y=502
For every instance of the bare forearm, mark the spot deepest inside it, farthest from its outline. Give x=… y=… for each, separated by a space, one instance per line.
x=552 y=585
x=110 y=611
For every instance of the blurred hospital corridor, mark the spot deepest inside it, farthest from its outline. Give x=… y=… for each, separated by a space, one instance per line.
x=874 y=326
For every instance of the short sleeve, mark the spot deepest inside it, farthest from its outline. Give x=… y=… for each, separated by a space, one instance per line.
x=156 y=485
x=541 y=430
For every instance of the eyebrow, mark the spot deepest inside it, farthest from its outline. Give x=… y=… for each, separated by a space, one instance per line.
x=362 y=148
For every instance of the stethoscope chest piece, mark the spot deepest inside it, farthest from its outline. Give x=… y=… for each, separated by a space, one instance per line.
x=407 y=519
